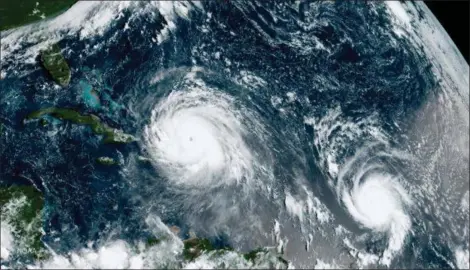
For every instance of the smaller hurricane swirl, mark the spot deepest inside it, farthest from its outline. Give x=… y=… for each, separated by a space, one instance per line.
x=367 y=176
x=197 y=137
x=374 y=197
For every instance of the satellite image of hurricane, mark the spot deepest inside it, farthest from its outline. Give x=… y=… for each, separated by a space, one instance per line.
x=233 y=134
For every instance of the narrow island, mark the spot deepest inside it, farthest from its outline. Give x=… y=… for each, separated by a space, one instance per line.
x=106 y=161
x=110 y=135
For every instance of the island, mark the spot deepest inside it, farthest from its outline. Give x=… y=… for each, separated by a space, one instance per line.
x=55 y=64
x=110 y=135
x=106 y=161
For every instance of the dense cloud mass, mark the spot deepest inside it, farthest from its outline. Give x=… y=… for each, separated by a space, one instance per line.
x=238 y=134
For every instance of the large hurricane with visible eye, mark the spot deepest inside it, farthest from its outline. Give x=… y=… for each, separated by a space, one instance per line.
x=212 y=151
x=233 y=134
x=198 y=136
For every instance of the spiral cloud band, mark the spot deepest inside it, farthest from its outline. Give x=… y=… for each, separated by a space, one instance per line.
x=197 y=137
x=375 y=198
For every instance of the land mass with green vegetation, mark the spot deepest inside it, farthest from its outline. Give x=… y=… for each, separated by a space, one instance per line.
x=106 y=161
x=110 y=135
x=55 y=63
x=194 y=247
x=17 y=13
x=21 y=210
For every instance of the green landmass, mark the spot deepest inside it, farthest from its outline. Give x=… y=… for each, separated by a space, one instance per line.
x=110 y=134
x=256 y=253
x=251 y=256
x=54 y=62
x=106 y=161
x=17 y=13
x=152 y=241
x=44 y=122
x=194 y=247
x=21 y=208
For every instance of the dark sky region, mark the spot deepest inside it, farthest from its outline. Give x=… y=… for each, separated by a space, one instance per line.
x=454 y=17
